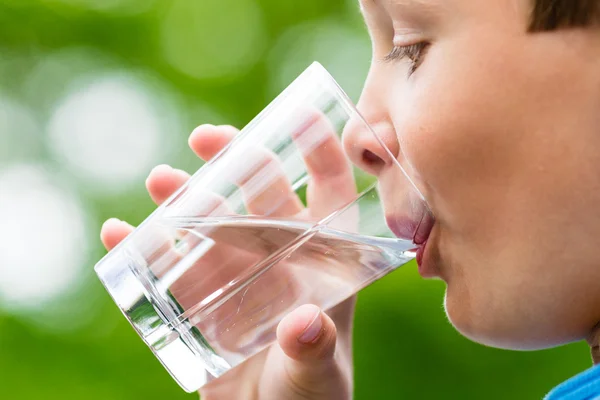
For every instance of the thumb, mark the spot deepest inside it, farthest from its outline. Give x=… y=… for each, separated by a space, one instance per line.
x=307 y=336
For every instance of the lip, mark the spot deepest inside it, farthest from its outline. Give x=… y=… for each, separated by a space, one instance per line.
x=403 y=228
x=409 y=229
x=419 y=254
x=424 y=228
x=426 y=269
x=419 y=232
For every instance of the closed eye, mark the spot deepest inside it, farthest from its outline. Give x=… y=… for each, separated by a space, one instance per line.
x=414 y=53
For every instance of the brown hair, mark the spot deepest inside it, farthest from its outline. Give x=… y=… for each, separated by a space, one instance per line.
x=556 y=14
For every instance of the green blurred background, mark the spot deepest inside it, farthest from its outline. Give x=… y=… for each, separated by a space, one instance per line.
x=93 y=94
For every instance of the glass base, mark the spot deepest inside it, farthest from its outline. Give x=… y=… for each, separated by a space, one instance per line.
x=179 y=348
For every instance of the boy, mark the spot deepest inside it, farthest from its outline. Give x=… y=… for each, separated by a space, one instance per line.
x=494 y=108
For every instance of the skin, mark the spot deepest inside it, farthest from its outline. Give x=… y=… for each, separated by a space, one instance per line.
x=294 y=367
x=500 y=130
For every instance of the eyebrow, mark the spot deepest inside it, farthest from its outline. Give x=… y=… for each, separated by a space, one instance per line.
x=402 y=3
x=403 y=6
x=399 y=3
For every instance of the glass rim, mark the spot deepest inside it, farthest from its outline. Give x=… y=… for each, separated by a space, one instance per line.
x=351 y=108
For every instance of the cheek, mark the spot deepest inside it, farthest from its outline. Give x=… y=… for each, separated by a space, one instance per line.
x=457 y=139
x=482 y=139
x=458 y=142
x=458 y=128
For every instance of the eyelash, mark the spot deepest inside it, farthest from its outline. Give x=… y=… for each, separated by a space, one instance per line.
x=413 y=52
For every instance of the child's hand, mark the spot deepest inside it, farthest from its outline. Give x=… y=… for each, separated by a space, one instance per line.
x=289 y=369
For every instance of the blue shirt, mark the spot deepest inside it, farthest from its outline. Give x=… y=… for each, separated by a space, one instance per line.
x=585 y=386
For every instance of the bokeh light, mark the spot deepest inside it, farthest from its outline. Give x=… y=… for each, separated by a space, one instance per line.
x=54 y=74
x=343 y=51
x=213 y=38
x=42 y=238
x=20 y=132
x=109 y=130
x=127 y=7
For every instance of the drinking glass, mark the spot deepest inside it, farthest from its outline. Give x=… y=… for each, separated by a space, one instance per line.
x=279 y=218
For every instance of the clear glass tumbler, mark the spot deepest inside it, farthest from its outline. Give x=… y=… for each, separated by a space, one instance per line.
x=278 y=219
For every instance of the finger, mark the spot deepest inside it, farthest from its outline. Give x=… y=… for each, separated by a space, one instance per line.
x=163 y=181
x=332 y=182
x=265 y=187
x=207 y=140
x=308 y=336
x=113 y=232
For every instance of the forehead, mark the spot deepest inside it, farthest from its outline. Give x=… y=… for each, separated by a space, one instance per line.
x=516 y=7
x=411 y=9
x=402 y=5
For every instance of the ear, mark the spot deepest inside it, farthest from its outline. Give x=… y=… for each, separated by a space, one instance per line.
x=594 y=342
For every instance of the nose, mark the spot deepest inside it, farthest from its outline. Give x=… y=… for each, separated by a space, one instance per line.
x=374 y=148
x=370 y=139
x=372 y=143
x=370 y=146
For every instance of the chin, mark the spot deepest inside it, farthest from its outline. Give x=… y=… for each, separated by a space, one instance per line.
x=486 y=326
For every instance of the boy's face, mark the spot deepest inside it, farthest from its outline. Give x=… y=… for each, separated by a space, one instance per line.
x=500 y=130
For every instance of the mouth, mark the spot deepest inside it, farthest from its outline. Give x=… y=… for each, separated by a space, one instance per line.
x=424 y=229
x=418 y=232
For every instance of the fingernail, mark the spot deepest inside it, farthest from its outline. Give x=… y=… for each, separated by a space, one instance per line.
x=112 y=221
x=313 y=331
x=196 y=130
x=164 y=167
x=204 y=126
